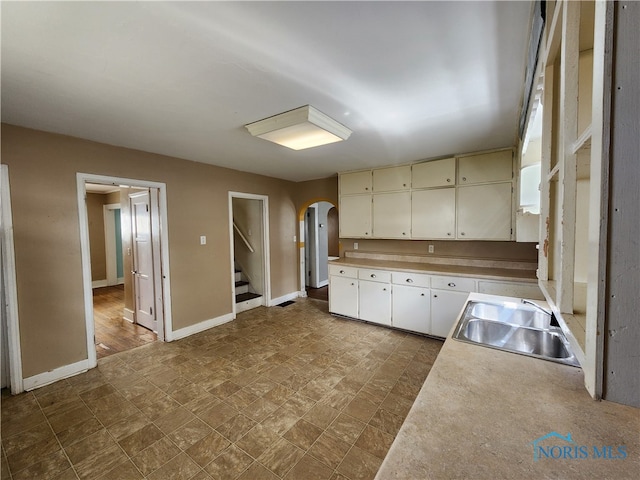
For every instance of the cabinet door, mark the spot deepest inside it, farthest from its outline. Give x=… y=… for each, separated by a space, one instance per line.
x=433 y=213
x=484 y=212
x=445 y=309
x=436 y=173
x=411 y=308
x=392 y=215
x=355 y=216
x=355 y=182
x=486 y=167
x=343 y=296
x=392 y=179
x=375 y=302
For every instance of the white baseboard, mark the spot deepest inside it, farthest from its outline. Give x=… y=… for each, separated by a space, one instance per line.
x=56 y=374
x=284 y=298
x=99 y=283
x=127 y=314
x=120 y=281
x=199 y=327
x=323 y=283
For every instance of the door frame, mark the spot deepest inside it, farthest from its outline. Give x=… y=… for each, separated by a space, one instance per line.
x=8 y=261
x=266 y=257
x=165 y=328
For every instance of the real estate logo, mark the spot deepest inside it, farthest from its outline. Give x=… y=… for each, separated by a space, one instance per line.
x=563 y=447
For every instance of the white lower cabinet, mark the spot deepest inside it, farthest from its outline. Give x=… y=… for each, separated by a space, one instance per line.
x=375 y=302
x=343 y=295
x=411 y=308
x=445 y=308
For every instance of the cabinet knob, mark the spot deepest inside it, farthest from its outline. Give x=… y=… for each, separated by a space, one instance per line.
x=366 y=188
x=451 y=284
x=435 y=296
x=373 y=275
x=448 y=180
x=366 y=233
x=404 y=233
x=464 y=179
x=341 y=271
x=422 y=294
x=352 y=283
x=384 y=289
x=409 y=280
x=449 y=233
x=404 y=184
x=461 y=233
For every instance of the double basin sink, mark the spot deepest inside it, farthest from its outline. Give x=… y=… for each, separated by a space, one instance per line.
x=518 y=328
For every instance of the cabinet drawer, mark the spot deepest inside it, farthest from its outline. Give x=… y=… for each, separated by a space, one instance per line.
x=411 y=279
x=342 y=271
x=454 y=283
x=374 y=275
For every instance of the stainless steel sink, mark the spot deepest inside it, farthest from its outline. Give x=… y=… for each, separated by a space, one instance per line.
x=514 y=328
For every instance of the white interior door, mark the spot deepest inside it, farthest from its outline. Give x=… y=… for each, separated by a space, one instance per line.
x=143 y=278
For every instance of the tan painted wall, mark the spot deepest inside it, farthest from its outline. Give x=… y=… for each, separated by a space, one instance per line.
x=95 y=216
x=42 y=172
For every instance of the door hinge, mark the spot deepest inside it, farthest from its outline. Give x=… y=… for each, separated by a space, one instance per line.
x=150 y=310
x=147 y=207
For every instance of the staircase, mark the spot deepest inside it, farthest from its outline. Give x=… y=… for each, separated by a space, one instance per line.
x=246 y=297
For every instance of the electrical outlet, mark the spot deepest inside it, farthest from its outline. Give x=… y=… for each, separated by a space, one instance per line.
x=355 y=245
x=430 y=248
x=203 y=240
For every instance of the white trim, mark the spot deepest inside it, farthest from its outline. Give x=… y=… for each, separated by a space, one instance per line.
x=99 y=283
x=10 y=286
x=46 y=378
x=323 y=283
x=202 y=326
x=128 y=315
x=266 y=246
x=83 y=178
x=285 y=298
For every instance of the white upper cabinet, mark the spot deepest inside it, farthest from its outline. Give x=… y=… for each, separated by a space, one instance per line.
x=355 y=182
x=433 y=214
x=484 y=212
x=355 y=216
x=392 y=215
x=392 y=179
x=486 y=167
x=436 y=173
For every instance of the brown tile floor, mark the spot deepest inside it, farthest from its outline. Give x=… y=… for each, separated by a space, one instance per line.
x=289 y=393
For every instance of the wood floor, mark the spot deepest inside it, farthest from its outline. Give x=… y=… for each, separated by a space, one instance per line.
x=321 y=293
x=113 y=333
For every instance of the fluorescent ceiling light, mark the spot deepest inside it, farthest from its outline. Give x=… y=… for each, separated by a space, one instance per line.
x=304 y=127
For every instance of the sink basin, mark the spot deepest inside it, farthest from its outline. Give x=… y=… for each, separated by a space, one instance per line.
x=513 y=328
x=521 y=315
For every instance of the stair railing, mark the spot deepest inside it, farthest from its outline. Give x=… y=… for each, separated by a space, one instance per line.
x=244 y=239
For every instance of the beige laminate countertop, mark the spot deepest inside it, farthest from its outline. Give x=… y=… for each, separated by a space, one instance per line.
x=454 y=270
x=480 y=409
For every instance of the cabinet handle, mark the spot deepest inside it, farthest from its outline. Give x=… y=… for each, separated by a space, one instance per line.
x=451 y=284
x=341 y=271
x=409 y=280
x=373 y=275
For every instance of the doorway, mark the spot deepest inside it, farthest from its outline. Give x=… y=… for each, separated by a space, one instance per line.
x=320 y=234
x=125 y=266
x=249 y=235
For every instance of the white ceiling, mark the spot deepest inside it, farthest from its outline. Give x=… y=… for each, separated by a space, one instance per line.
x=413 y=80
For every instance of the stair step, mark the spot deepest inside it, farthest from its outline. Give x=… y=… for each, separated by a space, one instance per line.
x=243 y=297
x=241 y=283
